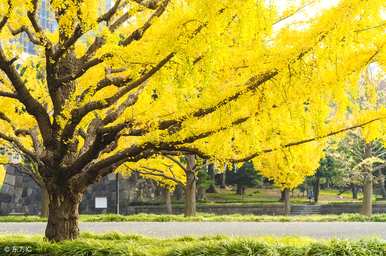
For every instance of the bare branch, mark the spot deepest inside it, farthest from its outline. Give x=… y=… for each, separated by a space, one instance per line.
x=138 y=33
x=176 y=161
x=110 y=13
x=40 y=32
x=19 y=145
x=8 y=95
x=150 y=4
x=31 y=36
x=156 y=173
x=4 y=20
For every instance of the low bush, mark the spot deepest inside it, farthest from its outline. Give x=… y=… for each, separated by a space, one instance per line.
x=208 y=217
x=115 y=244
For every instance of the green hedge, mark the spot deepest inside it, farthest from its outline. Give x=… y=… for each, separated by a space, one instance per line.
x=207 y=217
x=132 y=245
x=251 y=247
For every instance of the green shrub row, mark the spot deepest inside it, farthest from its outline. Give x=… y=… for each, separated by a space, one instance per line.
x=113 y=244
x=208 y=217
x=253 y=248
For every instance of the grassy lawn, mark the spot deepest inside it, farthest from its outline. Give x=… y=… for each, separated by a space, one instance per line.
x=272 y=195
x=134 y=245
x=208 y=217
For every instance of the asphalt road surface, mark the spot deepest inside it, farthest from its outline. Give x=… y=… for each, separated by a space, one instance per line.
x=172 y=229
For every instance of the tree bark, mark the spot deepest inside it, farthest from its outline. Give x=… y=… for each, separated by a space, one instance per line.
x=287 y=205
x=63 y=214
x=367 y=205
x=316 y=189
x=354 y=191
x=45 y=202
x=382 y=183
x=282 y=196
x=211 y=174
x=178 y=192
x=168 y=201
x=190 y=188
x=240 y=189
x=223 y=177
x=384 y=187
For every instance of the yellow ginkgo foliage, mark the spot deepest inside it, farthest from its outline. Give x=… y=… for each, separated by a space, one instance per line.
x=226 y=80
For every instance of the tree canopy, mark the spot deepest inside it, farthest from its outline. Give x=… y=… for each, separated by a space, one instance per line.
x=226 y=79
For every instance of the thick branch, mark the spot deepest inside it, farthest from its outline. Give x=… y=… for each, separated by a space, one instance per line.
x=78 y=114
x=33 y=107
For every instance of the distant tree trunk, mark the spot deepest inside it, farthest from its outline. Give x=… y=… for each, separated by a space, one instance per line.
x=354 y=191
x=223 y=178
x=316 y=189
x=367 y=204
x=178 y=192
x=168 y=201
x=190 y=187
x=384 y=187
x=212 y=175
x=382 y=183
x=45 y=202
x=201 y=193
x=287 y=205
x=240 y=189
x=282 y=196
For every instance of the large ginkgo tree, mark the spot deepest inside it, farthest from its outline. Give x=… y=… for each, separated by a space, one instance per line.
x=220 y=79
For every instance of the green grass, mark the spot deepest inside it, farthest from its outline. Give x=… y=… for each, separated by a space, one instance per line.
x=272 y=195
x=207 y=217
x=133 y=245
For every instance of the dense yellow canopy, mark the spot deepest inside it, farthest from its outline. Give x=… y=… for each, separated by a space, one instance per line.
x=228 y=80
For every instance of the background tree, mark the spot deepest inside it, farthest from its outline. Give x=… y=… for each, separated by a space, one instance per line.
x=243 y=177
x=234 y=80
x=360 y=162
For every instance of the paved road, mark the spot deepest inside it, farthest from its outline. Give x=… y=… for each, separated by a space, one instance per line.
x=171 y=229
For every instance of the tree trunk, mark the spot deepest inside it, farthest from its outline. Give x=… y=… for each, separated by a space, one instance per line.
x=201 y=193
x=63 y=214
x=287 y=205
x=367 y=205
x=282 y=196
x=382 y=183
x=354 y=191
x=45 y=202
x=223 y=178
x=168 y=201
x=178 y=192
x=190 y=188
x=316 y=189
x=240 y=189
x=211 y=174
x=384 y=187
